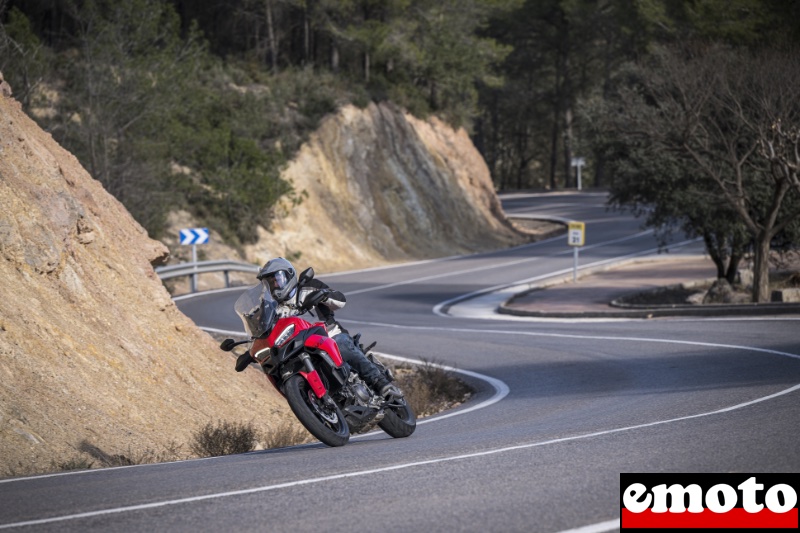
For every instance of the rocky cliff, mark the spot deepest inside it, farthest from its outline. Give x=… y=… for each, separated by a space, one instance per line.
x=94 y=356
x=382 y=186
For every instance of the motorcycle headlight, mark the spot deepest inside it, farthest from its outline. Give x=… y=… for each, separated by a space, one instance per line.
x=284 y=336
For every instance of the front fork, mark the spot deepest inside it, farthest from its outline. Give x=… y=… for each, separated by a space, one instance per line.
x=312 y=376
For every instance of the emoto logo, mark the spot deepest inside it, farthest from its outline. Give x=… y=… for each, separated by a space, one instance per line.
x=704 y=501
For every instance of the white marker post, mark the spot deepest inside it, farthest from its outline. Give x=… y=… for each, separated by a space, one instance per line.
x=194 y=236
x=579 y=163
x=576 y=237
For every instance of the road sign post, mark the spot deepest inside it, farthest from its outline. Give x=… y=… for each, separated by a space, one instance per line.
x=578 y=162
x=576 y=237
x=194 y=236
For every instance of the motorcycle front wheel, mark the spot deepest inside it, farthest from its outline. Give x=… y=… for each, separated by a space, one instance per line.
x=325 y=422
x=399 y=421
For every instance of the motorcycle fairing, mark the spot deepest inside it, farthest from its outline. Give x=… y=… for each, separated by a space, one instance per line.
x=284 y=323
x=327 y=345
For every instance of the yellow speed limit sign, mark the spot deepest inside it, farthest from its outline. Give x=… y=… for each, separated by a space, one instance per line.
x=576 y=235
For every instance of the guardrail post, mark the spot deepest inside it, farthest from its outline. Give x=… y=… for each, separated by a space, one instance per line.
x=227 y=279
x=194 y=275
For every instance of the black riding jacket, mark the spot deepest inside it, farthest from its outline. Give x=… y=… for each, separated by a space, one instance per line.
x=324 y=310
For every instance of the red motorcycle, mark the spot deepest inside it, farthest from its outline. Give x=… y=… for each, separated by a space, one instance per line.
x=305 y=366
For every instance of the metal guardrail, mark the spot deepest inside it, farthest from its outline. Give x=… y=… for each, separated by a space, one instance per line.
x=204 y=267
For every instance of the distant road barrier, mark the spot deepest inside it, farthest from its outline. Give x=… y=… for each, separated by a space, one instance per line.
x=204 y=267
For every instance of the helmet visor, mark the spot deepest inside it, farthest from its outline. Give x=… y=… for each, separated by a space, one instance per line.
x=277 y=280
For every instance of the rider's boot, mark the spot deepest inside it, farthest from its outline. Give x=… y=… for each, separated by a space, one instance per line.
x=387 y=389
x=391 y=391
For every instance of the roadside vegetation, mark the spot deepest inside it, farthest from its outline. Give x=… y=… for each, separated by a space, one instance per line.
x=685 y=109
x=199 y=106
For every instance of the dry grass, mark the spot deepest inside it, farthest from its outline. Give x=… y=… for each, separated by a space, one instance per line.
x=287 y=433
x=430 y=389
x=224 y=438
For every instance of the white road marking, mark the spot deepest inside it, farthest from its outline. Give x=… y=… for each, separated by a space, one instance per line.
x=601 y=527
x=501 y=389
x=403 y=466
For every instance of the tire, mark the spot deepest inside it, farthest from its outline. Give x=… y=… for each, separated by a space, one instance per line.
x=325 y=423
x=399 y=422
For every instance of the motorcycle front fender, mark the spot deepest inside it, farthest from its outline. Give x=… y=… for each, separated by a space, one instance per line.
x=315 y=382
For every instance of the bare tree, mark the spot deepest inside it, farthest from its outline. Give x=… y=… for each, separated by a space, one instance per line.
x=781 y=147
x=729 y=128
x=732 y=116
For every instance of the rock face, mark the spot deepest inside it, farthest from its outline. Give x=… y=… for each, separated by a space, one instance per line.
x=93 y=353
x=382 y=186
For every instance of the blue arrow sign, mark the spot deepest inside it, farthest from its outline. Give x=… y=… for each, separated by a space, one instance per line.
x=194 y=236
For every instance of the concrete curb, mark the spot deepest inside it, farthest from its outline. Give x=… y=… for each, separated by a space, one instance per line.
x=621 y=310
x=767 y=309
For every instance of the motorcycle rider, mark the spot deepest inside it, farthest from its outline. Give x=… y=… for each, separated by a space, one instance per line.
x=280 y=278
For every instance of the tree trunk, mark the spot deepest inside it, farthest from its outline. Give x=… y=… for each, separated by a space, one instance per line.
x=714 y=253
x=568 y=148
x=761 y=267
x=334 y=57
x=273 y=43
x=733 y=268
x=554 y=150
x=557 y=100
x=522 y=161
x=306 y=37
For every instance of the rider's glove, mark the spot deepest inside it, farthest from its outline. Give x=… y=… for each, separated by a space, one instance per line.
x=243 y=361
x=316 y=297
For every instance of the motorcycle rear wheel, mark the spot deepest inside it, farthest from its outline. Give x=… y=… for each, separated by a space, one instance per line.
x=399 y=422
x=327 y=423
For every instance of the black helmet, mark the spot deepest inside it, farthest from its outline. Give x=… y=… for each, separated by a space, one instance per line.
x=279 y=277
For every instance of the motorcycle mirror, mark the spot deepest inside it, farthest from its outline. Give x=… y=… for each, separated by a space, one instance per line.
x=306 y=275
x=227 y=345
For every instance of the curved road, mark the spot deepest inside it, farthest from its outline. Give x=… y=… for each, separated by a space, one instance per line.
x=566 y=406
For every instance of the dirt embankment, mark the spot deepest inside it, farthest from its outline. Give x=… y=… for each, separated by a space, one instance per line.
x=94 y=356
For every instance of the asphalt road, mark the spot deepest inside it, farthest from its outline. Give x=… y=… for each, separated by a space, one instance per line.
x=564 y=407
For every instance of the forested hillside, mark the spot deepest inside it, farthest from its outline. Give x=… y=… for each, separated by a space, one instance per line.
x=200 y=105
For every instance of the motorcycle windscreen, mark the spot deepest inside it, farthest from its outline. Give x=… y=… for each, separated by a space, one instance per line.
x=256 y=308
